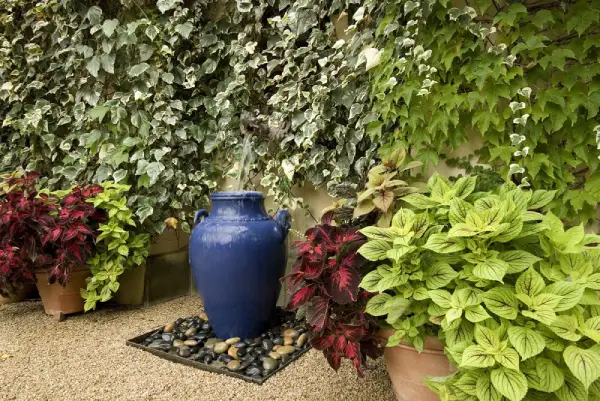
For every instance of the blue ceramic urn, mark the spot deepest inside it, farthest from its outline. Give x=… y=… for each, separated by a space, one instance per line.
x=238 y=255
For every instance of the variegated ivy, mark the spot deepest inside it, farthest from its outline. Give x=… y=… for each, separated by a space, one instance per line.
x=510 y=292
x=159 y=94
x=455 y=73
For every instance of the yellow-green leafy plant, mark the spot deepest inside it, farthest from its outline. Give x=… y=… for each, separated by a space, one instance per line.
x=511 y=294
x=117 y=247
x=385 y=184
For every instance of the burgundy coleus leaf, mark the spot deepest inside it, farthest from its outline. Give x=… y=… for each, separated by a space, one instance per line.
x=352 y=333
x=352 y=350
x=352 y=259
x=340 y=344
x=322 y=343
x=316 y=313
x=342 y=285
x=302 y=296
x=313 y=270
x=334 y=359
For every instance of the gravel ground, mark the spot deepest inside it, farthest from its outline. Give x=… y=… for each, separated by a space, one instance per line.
x=85 y=358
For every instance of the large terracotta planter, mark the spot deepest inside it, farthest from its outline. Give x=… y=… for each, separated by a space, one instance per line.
x=26 y=291
x=407 y=368
x=59 y=301
x=132 y=284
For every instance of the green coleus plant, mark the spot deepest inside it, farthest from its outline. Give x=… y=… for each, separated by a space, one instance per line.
x=117 y=247
x=384 y=184
x=507 y=290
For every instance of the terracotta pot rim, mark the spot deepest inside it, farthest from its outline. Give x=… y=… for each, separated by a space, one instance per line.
x=79 y=268
x=425 y=350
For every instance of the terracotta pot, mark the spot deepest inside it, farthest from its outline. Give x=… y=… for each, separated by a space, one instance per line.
x=131 y=286
x=25 y=292
x=58 y=300
x=407 y=368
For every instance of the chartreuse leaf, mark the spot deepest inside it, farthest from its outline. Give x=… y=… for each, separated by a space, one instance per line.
x=591 y=328
x=441 y=243
x=540 y=199
x=379 y=233
x=458 y=211
x=566 y=327
x=468 y=382
x=571 y=293
x=377 y=305
x=375 y=250
x=439 y=275
x=509 y=358
x=485 y=391
x=491 y=269
x=572 y=389
x=510 y=383
x=420 y=201
x=551 y=376
x=526 y=341
x=530 y=283
x=441 y=298
x=518 y=260
x=486 y=337
x=371 y=280
x=476 y=356
x=403 y=220
x=583 y=363
x=502 y=302
x=476 y=314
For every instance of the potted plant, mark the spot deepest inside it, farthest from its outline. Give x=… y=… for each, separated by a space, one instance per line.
x=117 y=248
x=324 y=286
x=508 y=292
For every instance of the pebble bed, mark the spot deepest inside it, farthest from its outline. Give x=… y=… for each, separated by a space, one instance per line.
x=254 y=359
x=86 y=358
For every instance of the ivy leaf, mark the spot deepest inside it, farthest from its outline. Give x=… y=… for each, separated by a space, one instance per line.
x=109 y=26
x=527 y=342
x=138 y=69
x=93 y=66
x=581 y=19
x=94 y=15
x=184 y=29
x=166 y=5
x=542 y=18
x=144 y=212
x=510 y=383
x=583 y=363
x=558 y=58
x=108 y=63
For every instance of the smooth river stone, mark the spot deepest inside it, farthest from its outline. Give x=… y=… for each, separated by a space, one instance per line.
x=191 y=332
x=233 y=365
x=233 y=352
x=288 y=341
x=286 y=350
x=302 y=340
x=233 y=340
x=269 y=363
x=275 y=355
x=177 y=343
x=169 y=327
x=191 y=343
x=221 y=347
x=291 y=333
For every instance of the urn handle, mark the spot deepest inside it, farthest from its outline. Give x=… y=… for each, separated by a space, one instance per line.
x=200 y=214
x=284 y=221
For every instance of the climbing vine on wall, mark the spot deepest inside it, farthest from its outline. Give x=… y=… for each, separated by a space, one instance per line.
x=159 y=94
x=522 y=76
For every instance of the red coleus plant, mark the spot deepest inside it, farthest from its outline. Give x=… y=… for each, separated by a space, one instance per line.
x=324 y=280
x=43 y=231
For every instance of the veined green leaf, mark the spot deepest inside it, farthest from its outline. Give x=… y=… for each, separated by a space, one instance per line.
x=464 y=186
x=551 y=376
x=545 y=316
x=540 y=199
x=526 y=341
x=476 y=314
x=439 y=275
x=571 y=390
x=508 y=358
x=371 y=281
x=420 y=201
x=485 y=391
x=518 y=260
x=468 y=382
x=566 y=327
x=583 y=363
x=377 y=305
x=491 y=269
x=463 y=230
x=458 y=211
x=379 y=233
x=571 y=293
x=441 y=243
x=502 y=302
x=530 y=283
x=510 y=383
x=403 y=220
x=487 y=337
x=476 y=356
x=375 y=250
x=441 y=297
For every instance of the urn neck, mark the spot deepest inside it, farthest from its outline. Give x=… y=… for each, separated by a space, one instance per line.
x=238 y=206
